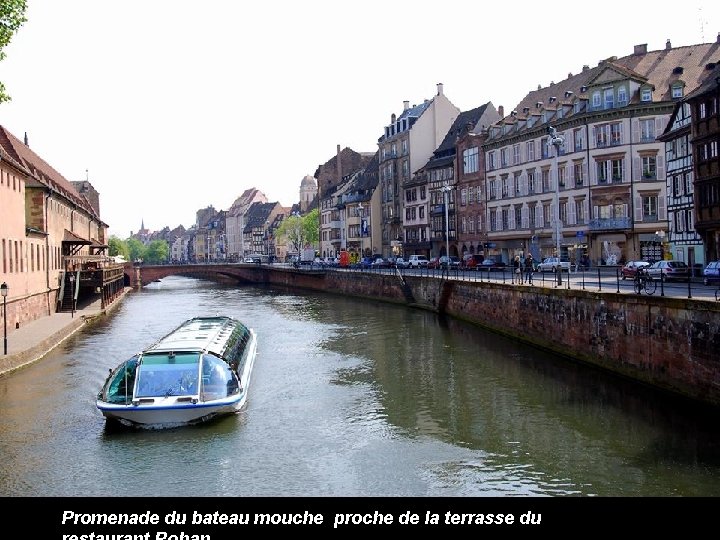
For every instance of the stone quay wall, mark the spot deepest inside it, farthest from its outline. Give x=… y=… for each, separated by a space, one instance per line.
x=669 y=343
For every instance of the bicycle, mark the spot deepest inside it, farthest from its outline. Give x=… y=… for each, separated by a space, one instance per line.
x=644 y=282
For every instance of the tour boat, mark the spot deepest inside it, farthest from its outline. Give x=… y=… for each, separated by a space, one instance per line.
x=197 y=372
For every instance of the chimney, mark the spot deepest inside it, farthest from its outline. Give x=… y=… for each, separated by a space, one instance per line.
x=667 y=45
x=640 y=49
x=26 y=139
x=406 y=105
x=586 y=67
x=440 y=89
x=501 y=111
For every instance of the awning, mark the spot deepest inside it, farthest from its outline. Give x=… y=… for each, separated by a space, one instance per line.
x=72 y=238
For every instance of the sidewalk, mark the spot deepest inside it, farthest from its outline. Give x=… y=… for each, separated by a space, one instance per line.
x=35 y=339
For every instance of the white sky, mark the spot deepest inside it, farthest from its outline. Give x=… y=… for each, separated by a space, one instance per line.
x=174 y=105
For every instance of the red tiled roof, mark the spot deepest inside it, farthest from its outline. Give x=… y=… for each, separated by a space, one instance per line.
x=41 y=171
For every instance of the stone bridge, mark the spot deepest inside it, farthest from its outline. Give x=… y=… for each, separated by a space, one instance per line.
x=233 y=273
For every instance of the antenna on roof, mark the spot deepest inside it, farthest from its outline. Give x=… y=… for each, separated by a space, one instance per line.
x=702 y=25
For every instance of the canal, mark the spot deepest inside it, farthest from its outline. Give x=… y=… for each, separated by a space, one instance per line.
x=351 y=398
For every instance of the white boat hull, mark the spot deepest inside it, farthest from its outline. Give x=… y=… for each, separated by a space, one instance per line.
x=167 y=412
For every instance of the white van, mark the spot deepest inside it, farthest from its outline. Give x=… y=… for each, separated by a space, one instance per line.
x=417 y=261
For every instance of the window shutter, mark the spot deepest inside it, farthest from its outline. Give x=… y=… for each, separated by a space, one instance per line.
x=660 y=164
x=660 y=123
x=523 y=184
x=539 y=222
x=638 y=209
x=596 y=212
x=511 y=217
x=662 y=208
x=593 y=175
x=525 y=217
x=572 y=220
x=586 y=207
x=637 y=166
x=635 y=129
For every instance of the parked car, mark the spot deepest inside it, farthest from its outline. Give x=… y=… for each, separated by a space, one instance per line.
x=711 y=272
x=629 y=270
x=471 y=261
x=379 y=262
x=418 y=261
x=434 y=262
x=669 y=270
x=551 y=264
x=400 y=262
x=489 y=264
x=452 y=262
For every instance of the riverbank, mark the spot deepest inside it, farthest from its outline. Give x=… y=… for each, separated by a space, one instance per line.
x=35 y=339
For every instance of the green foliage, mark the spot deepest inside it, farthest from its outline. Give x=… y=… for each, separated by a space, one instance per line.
x=12 y=17
x=290 y=230
x=311 y=226
x=136 y=249
x=156 y=252
x=118 y=247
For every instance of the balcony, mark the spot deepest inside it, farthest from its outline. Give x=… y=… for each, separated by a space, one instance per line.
x=610 y=224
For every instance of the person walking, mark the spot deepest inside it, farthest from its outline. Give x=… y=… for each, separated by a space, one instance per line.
x=517 y=269
x=529 y=268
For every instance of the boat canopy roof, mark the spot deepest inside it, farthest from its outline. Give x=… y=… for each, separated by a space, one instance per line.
x=210 y=334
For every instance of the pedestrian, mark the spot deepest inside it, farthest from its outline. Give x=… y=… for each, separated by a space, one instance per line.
x=517 y=269
x=529 y=268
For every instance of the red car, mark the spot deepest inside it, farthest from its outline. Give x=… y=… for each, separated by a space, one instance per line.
x=434 y=263
x=629 y=271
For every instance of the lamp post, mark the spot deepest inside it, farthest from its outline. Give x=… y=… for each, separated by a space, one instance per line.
x=661 y=237
x=298 y=235
x=557 y=141
x=446 y=199
x=72 y=296
x=4 y=291
x=362 y=237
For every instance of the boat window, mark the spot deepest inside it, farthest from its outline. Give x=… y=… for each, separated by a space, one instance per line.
x=168 y=374
x=119 y=387
x=217 y=379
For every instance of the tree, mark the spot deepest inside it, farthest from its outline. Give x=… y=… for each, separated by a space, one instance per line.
x=12 y=17
x=291 y=231
x=118 y=247
x=136 y=249
x=157 y=252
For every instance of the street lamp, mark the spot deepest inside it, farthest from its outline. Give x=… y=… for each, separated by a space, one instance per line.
x=661 y=237
x=4 y=290
x=557 y=141
x=361 y=213
x=72 y=296
x=446 y=198
x=298 y=235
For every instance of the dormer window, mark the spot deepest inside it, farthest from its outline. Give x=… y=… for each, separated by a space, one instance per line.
x=677 y=90
x=646 y=94
x=622 y=96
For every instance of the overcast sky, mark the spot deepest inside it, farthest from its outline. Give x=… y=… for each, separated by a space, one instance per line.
x=175 y=105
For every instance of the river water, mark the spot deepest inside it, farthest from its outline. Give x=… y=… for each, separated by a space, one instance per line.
x=351 y=398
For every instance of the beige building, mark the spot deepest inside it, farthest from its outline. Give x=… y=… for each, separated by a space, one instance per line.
x=406 y=145
x=608 y=179
x=48 y=233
